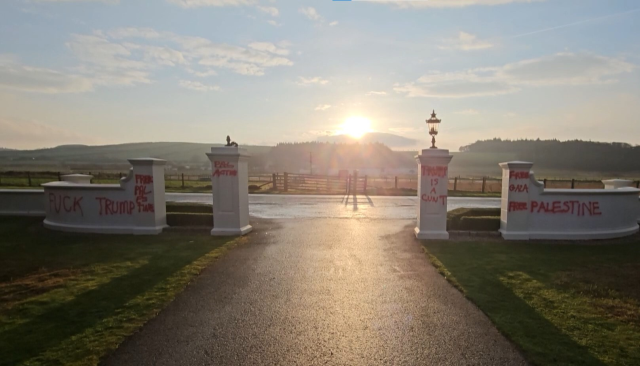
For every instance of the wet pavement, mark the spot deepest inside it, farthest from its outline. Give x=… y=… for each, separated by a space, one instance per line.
x=268 y=206
x=321 y=292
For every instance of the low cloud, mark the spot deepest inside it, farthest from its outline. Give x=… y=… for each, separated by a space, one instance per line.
x=466 y=42
x=452 y=3
x=14 y=75
x=311 y=14
x=373 y=92
x=312 y=81
x=217 y=3
x=323 y=107
x=198 y=86
x=269 y=47
x=273 y=11
x=30 y=134
x=558 y=69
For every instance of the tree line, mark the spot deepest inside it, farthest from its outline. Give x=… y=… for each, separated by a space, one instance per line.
x=572 y=155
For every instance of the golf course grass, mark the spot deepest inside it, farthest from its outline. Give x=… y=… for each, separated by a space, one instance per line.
x=72 y=298
x=560 y=303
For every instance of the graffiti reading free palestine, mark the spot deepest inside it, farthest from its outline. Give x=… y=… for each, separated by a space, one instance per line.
x=435 y=173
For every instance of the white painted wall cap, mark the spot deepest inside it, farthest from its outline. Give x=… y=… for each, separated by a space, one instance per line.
x=516 y=164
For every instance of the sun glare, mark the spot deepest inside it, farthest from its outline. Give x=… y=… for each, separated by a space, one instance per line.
x=356 y=126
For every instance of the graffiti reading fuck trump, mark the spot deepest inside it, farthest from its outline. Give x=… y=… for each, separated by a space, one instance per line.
x=64 y=203
x=224 y=168
x=141 y=204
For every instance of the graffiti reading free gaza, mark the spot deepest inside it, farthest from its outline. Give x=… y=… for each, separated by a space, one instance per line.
x=224 y=168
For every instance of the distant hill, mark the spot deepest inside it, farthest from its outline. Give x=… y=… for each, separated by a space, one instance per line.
x=388 y=139
x=294 y=157
x=112 y=156
x=554 y=158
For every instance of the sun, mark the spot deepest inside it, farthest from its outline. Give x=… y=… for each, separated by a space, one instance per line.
x=355 y=126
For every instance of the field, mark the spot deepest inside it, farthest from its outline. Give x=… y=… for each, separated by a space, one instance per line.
x=72 y=298
x=561 y=304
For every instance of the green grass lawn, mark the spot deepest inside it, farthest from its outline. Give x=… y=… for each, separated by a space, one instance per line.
x=562 y=304
x=72 y=298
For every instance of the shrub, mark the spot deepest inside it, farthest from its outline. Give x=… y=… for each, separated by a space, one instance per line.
x=480 y=223
x=190 y=219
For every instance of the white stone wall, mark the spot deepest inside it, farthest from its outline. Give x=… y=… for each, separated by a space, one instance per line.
x=22 y=202
x=529 y=211
x=135 y=206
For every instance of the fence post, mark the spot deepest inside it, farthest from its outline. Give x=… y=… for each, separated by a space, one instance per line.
x=348 y=181
x=573 y=183
x=396 y=183
x=273 y=179
x=59 y=177
x=638 y=184
x=355 y=182
x=29 y=178
x=365 y=185
x=545 y=182
x=182 y=180
x=455 y=184
x=286 y=182
x=484 y=183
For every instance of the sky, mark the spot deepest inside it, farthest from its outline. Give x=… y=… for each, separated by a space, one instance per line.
x=268 y=71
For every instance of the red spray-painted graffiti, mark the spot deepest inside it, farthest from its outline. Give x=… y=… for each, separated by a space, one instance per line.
x=435 y=171
x=442 y=199
x=111 y=207
x=517 y=206
x=64 y=203
x=224 y=168
x=519 y=188
x=141 y=193
x=518 y=175
x=577 y=208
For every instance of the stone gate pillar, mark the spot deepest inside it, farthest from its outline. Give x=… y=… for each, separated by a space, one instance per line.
x=433 y=180
x=230 y=188
x=515 y=202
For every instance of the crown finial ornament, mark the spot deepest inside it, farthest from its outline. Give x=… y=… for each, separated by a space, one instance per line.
x=433 y=123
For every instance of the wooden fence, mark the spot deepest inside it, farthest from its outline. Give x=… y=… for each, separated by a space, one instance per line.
x=301 y=183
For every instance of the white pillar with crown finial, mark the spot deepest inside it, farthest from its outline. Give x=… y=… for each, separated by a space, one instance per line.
x=433 y=180
x=433 y=187
x=230 y=188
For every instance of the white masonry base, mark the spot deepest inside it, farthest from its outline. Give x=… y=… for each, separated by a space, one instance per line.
x=97 y=229
x=231 y=232
x=557 y=235
x=435 y=235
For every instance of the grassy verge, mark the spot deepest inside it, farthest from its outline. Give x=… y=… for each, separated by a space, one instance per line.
x=73 y=298
x=574 y=304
